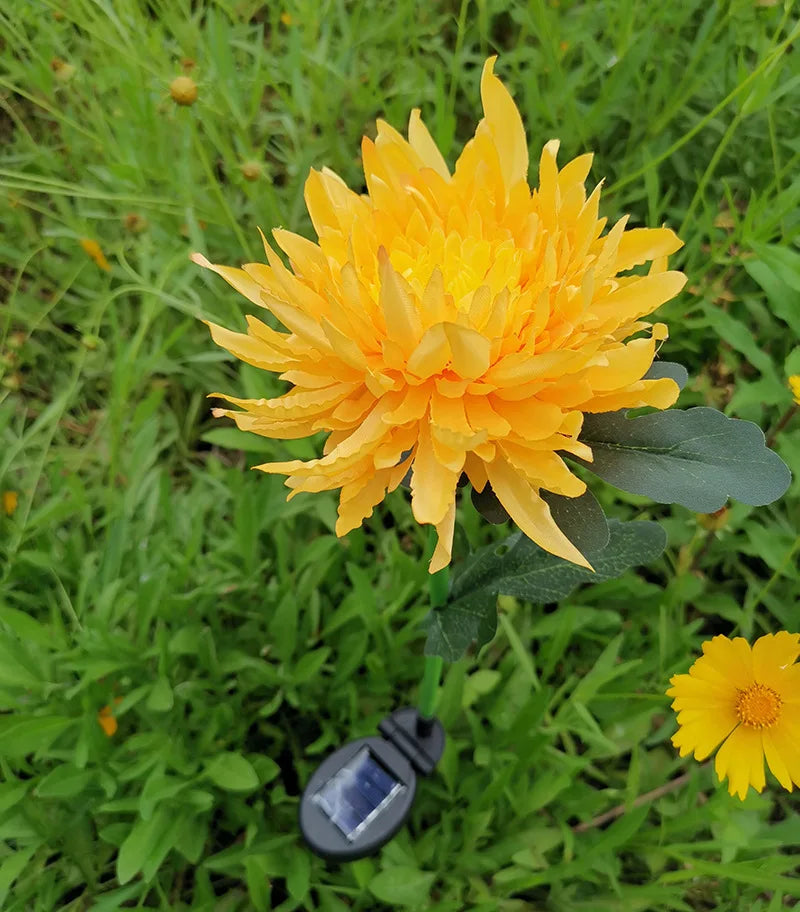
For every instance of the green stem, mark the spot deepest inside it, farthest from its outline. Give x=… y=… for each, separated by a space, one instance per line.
x=430 y=686
x=438 y=585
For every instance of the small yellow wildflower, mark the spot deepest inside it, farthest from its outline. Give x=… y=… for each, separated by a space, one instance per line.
x=10 y=501
x=106 y=721
x=183 y=90
x=453 y=323
x=93 y=249
x=794 y=383
x=286 y=18
x=748 y=698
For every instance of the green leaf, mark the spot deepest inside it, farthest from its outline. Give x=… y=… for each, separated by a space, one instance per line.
x=487 y=504
x=19 y=737
x=11 y=868
x=310 y=664
x=521 y=568
x=402 y=886
x=110 y=902
x=29 y=629
x=581 y=519
x=161 y=698
x=232 y=772
x=672 y=369
x=783 y=297
x=15 y=666
x=697 y=457
x=164 y=841
x=739 y=336
x=234 y=439
x=142 y=842
x=781 y=260
x=64 y=781
x=257 y=879
x=11 y=793
x=298 y=875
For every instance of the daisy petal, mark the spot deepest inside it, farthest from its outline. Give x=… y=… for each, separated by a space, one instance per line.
x=772 y=654
x=741 y=759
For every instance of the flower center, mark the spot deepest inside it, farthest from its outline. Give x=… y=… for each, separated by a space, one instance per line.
x=758 y=706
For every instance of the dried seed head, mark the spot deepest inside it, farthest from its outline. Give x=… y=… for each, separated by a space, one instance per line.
x=135 y=223
x=62 y=70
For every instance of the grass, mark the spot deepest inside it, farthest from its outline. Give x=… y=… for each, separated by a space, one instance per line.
x=236 y=639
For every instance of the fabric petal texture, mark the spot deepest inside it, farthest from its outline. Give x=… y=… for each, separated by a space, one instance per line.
x=463 y=321
x=745 y=699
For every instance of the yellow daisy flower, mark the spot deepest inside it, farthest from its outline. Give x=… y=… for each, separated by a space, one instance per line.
x=748 y=698
x=794 y=383
x=453 y=323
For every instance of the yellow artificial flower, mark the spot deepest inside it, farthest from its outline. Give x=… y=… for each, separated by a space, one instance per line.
x=452 y=323
x=794 y=383
x=750 y=699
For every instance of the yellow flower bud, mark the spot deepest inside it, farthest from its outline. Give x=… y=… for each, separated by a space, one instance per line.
x=713 y=522
x=251 y=170
x=183 y=90
x=10 y=500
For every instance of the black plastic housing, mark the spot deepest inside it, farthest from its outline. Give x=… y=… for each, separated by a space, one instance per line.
x=411 y=744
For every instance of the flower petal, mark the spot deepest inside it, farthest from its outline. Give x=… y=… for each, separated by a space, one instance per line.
x=433 y=485
x=530 y=512
x=741 y=759
x=505 y=126
x=444 y=541
x=422 y=143
x=703 y=729
x=773 y=654
x=782 y=750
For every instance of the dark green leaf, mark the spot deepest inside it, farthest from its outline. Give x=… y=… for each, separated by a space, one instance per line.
x=677 y=372
x=521 y=568
x=697 y=457
x=487 y=504
x=581 y=519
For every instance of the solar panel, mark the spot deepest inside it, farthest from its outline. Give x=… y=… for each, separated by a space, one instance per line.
x=357 y=794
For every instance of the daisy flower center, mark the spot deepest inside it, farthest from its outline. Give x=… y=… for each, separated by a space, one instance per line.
x=758 y=706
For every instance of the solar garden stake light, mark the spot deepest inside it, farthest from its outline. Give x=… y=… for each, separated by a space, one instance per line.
x=360 y=796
